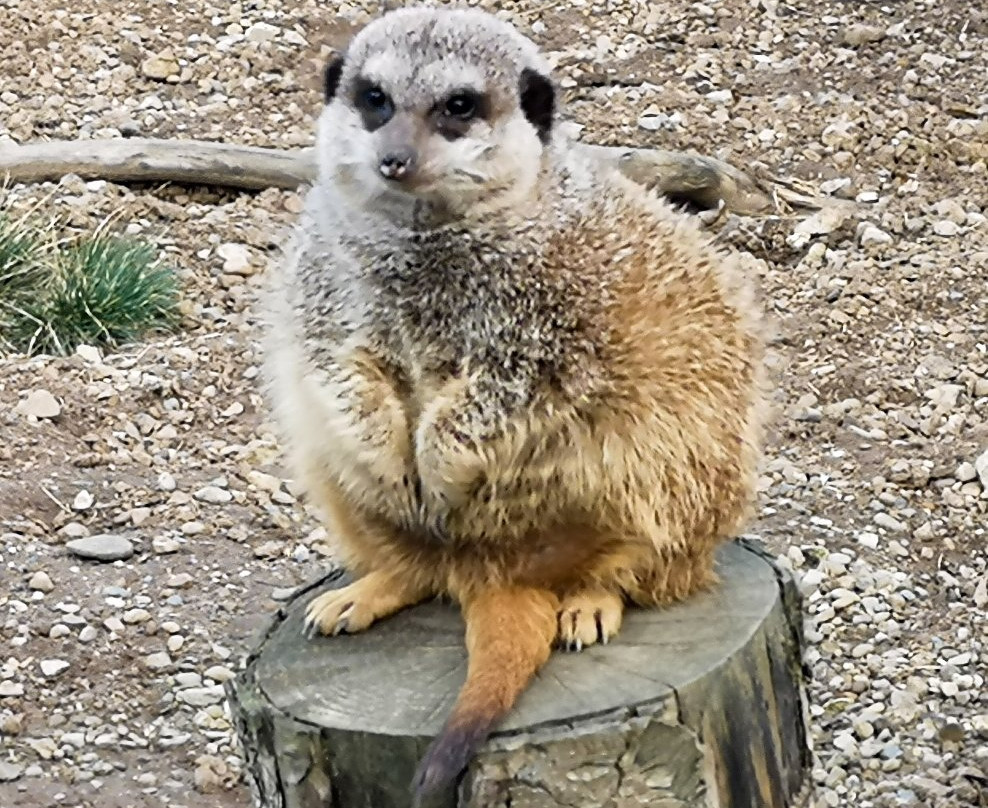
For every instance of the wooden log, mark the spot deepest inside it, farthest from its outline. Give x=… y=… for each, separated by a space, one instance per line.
x=702 y=182
x=196 y=162
x=700 y=705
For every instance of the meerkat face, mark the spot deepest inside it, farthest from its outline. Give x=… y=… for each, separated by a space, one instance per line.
x=448 y=107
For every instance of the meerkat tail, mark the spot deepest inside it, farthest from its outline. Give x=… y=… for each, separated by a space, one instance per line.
x=509 y=636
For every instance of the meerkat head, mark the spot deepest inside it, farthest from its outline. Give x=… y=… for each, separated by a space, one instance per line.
x=452 y=108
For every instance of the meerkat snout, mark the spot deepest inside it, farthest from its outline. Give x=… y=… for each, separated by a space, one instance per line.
x=398 y=164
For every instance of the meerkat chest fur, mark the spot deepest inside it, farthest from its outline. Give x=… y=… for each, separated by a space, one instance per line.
x=479 y=300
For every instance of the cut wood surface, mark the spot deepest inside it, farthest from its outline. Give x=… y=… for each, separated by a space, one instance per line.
x=694 y=179
x=695 y=706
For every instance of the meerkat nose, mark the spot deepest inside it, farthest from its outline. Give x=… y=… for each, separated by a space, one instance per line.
x=398 y=164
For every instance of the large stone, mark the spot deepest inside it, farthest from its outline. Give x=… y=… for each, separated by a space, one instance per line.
x=102 y=547
x=39 y=404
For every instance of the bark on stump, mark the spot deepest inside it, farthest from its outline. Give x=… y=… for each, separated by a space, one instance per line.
x=700 y=705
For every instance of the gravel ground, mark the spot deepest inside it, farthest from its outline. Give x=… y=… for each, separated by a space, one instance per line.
x=875 y=489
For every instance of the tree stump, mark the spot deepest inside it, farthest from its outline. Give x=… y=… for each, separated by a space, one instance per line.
x=700 y=705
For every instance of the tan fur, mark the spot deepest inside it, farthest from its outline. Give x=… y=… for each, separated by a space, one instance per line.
x=543 y=499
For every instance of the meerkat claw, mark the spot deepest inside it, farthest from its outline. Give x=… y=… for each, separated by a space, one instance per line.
x=343 y=621
x=589 y=617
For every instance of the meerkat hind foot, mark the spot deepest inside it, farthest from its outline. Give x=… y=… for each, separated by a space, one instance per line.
x=589 y=617
x=357 y=606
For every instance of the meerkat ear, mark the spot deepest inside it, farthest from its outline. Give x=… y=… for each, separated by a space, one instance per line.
x=331 y=78
x=538 y=101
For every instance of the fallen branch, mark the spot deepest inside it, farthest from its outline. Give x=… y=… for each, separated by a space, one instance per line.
x=701 y=181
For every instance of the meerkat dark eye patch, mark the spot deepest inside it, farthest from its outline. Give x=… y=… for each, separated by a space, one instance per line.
x=331 y=78
x=453 y=115
x=375 y=106
x=538 y=101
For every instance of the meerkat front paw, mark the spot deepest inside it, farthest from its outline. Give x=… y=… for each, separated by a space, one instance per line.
x=355 y=607
x=588 y=617
x=447 y=449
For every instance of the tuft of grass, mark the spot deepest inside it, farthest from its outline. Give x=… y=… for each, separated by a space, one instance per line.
x=21 y=251
x=97 y=289
x=100 y=290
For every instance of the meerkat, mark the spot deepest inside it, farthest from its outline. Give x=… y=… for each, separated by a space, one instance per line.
x=506 y=375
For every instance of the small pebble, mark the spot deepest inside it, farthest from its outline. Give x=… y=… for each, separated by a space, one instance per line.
x=53 y=667
x=157 y=661
x=132 y=616
x=40 y=582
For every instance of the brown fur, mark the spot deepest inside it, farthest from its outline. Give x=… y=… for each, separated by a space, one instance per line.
x=566 y=417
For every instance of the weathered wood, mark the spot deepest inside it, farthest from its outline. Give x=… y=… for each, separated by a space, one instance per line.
x=696 y=706
x=196 y=162
x=700 y=181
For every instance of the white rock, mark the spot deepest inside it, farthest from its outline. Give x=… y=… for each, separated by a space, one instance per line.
x=888 y=522
x=651 y=123
x=201 y=696
x=179 y=580
x=236 y=259
x=113 y=624
x=10 y=689
x=102 y=547
x=811 y=580
x=160 y=67
x=869 y=235
x=132 y=616
x=837 y=563
x=188 y=679
x=89 y=352
x=213 y=495
x=157 y=661
x=10 y=771
x=845 y=742
x=981 y=466
x=868 y=539
x=262 y=32
x=966 y=472
x=163 y=545
x=76 y=739
x=53 y=667
x=88 y=634
x=898 y=549
x=945 y=227
x=218 y=673
x=981 y=593
x=83 y=501
x=166 y=482
x=860 y=34
x=40 y=582
x=39 y=404
x=720 y=96
x=924 y=532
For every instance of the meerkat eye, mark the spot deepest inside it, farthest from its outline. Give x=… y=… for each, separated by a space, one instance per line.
x=461 y=105
x=375 y=106
x=375 y=98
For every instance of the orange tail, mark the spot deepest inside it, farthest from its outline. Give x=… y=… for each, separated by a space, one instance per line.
x=509 y=637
